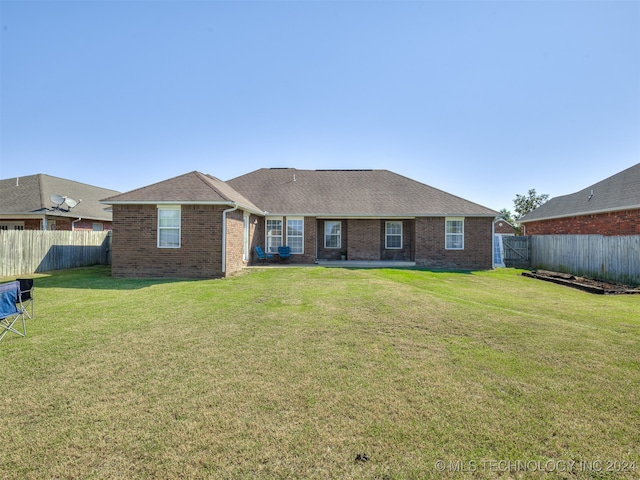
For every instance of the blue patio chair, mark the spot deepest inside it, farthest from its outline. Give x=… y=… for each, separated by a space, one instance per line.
x=11 y=309
x=284 y=252
x=262 y=257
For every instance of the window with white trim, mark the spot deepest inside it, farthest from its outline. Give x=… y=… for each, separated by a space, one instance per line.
x=169 y=226
x=393 y=235
x=454 y=233
x=97 y=227
x=332 y=234
x=273 y=234
x=295 y=234
x=12 y=226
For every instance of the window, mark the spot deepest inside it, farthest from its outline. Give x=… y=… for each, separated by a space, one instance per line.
x=97 y=227
x=169 y=227
x=12 y=226
x=274 y=234
x=332 y=234
x=393 y=235
x=454 y=233
x=295 y=234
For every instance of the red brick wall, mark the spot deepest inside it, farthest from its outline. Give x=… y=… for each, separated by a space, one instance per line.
x=134 y=243
x=478 y=244
x=611 y=223
x=235 y=242
x=503 y=227
x=364 y=239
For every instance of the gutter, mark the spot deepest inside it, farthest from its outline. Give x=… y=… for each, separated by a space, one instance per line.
x=181 y=202
x=224 y=235
x=74 y=222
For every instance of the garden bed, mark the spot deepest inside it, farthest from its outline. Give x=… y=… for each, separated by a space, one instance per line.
x=583 y=283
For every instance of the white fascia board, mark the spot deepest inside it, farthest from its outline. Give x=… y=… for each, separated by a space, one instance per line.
x=582 y=214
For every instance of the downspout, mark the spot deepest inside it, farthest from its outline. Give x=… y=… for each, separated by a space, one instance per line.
x=224 y=235
x=74 y=222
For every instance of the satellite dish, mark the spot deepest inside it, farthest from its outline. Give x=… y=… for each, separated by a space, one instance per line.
x=71 y=202
x=57 y=199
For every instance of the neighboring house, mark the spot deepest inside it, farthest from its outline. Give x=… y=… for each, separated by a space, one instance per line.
x=610 y=207
x=43 y=202
x=198 y=226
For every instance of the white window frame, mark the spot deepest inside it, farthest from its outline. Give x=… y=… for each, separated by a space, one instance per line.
x=327 y=232
x=97 y=227
x=301 y=236
x=449 y=236
x=270 y=239
x=387 y=234
x=11 y=226
x=161 y=228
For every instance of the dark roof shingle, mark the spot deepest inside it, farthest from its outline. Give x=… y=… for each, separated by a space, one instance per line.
x=618 y=192
x=191 y=187
x=32 y=194
x=349 y=192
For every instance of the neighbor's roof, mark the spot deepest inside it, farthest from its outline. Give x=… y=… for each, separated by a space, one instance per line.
x=190 y=188
x=32 y=195
x=618 y=192
x=289 y=191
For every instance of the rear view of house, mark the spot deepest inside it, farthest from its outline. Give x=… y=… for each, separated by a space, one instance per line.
x=198 y=226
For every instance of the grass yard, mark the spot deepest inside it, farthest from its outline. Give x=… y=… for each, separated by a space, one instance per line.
x=321 y=373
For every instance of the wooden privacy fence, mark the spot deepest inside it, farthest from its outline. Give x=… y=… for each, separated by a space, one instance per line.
x=616 y=259
x=517 y=251
x=23 y=252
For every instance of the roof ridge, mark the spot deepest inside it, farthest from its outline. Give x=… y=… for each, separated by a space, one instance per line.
x=40 y=189
x=206 y=178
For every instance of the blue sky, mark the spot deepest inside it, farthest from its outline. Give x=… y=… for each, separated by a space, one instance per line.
x=482 y=99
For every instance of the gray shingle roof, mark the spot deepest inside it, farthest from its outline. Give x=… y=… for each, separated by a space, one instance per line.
x=32 y=194
x=349 y=192
x=618 y=192
x=193 y=187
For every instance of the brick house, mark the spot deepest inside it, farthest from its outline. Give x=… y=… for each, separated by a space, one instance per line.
x=198 y=226
x=610 y=207
x=43 y=202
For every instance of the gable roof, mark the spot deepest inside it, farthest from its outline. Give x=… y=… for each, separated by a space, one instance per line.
x=190 y=188
x=618 y=192
x=31 y=195
x=289 y=191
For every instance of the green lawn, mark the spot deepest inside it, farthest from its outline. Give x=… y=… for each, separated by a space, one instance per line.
x=295 y=373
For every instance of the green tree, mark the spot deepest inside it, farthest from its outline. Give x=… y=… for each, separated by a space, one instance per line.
x=523 y=204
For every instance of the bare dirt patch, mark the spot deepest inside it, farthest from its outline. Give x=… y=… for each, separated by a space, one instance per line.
x=583 y=283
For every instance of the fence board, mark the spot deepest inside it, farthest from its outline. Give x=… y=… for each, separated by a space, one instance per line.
x=23 y=252
x=613 y=258
x=516 y=251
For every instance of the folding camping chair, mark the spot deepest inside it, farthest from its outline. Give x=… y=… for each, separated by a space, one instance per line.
x=26 y=293
x=11 y=309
